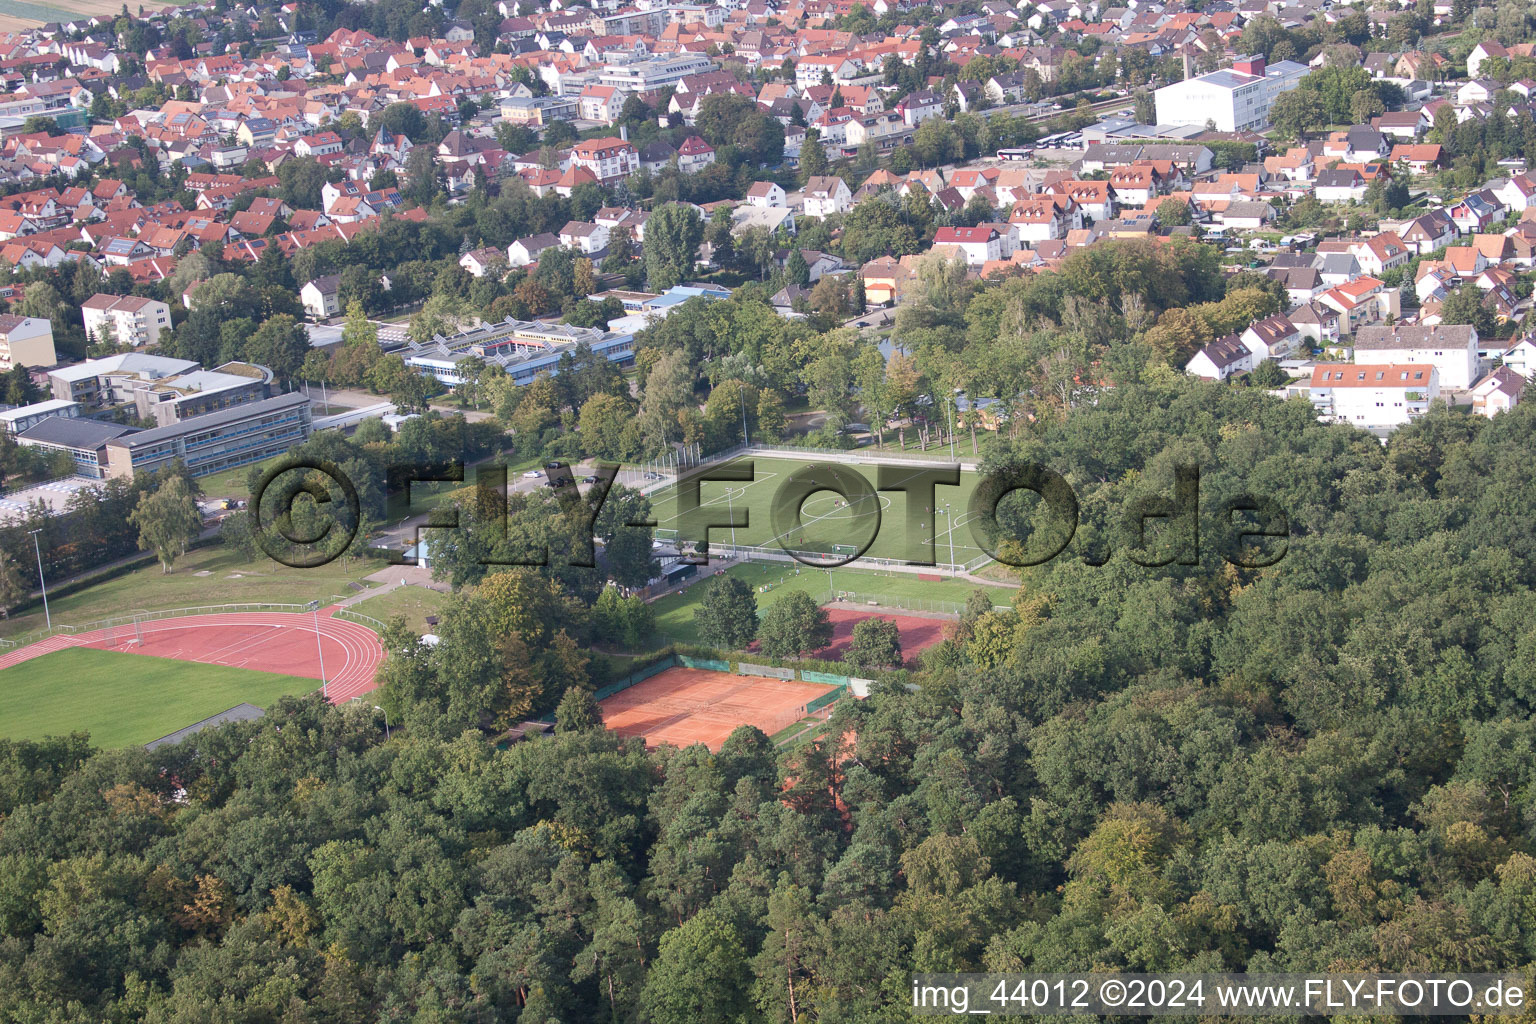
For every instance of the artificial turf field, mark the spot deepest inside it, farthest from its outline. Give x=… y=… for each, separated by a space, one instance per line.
x=827 y=524
x=123 y=699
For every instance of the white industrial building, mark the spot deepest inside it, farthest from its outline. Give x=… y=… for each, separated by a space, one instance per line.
x=1233 y=99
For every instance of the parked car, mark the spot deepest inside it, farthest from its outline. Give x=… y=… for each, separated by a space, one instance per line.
x=533 y=474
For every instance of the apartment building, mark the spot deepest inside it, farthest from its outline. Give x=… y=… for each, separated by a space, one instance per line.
x=220 y=440
x=609 y=160
x=1373 y=396
x=125 y=319
x=1450 y=349
x=25 y=341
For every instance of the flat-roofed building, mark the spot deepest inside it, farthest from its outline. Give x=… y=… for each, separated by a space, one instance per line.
x=84 y=440
x=1233 y=99
x=24 y=417
x=646 y=75
x=158 y=387
x=522 y=348
x=220 y=440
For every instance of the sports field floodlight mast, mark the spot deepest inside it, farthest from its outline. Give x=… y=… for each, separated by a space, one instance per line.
x=42 y=583
x=320 y=649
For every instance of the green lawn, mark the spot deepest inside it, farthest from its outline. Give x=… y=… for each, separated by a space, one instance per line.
x=229 y=579
x=827 y=524
x=232 y=483
x=427 y=496
x=674 y=612
x=415 y=603
x=123 y=699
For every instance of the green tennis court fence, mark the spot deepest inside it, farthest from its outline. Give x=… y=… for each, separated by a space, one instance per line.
x=830 y=697
x=708 y=664
x=639 y=675
x=823 y=677
x=746 y=668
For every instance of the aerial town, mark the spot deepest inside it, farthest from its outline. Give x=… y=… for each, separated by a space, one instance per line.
x=520 y=511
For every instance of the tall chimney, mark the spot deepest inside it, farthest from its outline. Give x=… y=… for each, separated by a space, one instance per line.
x=624 y=132
x=1188 y=71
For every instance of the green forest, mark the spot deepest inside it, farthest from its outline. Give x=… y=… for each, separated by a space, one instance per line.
x=1325 y=763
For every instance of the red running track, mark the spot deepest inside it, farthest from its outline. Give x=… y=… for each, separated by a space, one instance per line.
x=278 y=642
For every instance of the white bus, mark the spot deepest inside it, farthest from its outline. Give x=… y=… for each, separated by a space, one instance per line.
x=1019 y=153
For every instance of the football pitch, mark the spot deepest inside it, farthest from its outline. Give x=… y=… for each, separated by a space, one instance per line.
x=123 y=699
x=827 y=524
x=897 y=593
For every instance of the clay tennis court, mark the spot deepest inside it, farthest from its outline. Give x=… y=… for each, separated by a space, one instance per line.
x=689 y=705
x=917 y=634
x=284 y=643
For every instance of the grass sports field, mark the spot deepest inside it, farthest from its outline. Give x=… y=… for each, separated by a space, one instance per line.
x=123 y=699
x=674 y=612
x=209 y=575
x=415 y=603
x=828 y=524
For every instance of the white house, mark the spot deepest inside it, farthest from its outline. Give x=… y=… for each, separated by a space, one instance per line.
x=601 y=103
x=526 y=250
x=977 y=245
x=609 y=160
x=1450 y=349
x=1339 y=185
x=588 y=238
x=1040 y=220
x=1381 y=252
x=918 y=107
x=770 y=218
x=767 y=194
x=1373 y=395
x=694 y=155
x=1222 y=358
x=320 y=144
x=1274 y=337
x=1498 y=392
x=1517 y=193
x=1481 y=52
x=480 y=262
x=322 y=296
x=1521 y=357
x=1478 y=90
x=826 y=195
